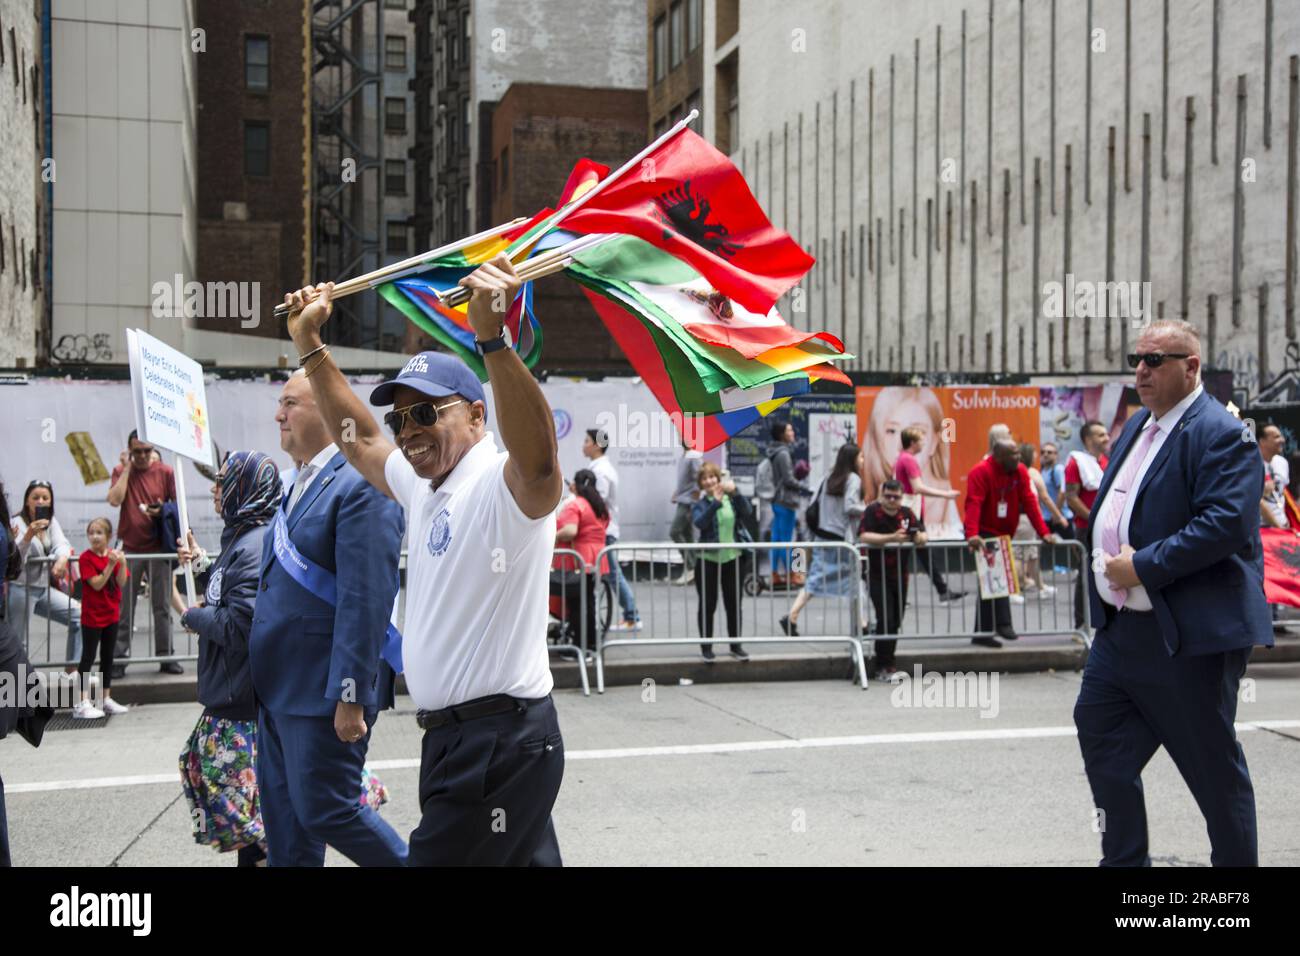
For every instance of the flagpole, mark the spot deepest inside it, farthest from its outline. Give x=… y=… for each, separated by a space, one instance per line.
x=407 y=266
x=543 y=264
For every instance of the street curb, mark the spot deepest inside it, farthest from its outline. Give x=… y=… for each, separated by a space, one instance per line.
x=157 y=688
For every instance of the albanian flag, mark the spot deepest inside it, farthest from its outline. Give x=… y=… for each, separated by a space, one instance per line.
x=1281 y=566
x=689 y=200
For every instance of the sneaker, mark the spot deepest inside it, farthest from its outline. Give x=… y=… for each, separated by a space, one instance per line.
x=1045 y=592
x=1006 y=633
x=986 y=641
x=789 y=627
x=626 y=626
x=952 y=597
x=113 y=707
x=119 y=671
x=1017 y=599
x=738 y=652
x=707 y=651
x=889 y=674
x=171 y=667
x=684 y=579
x=86 y=711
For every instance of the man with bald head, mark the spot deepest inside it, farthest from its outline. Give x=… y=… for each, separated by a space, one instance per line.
x=1178 y=596
x=998 y=491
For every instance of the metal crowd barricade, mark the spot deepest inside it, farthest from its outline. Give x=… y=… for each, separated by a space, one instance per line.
x=923 y=574
x=42 y=594
x=572 y=585
x=842 y=624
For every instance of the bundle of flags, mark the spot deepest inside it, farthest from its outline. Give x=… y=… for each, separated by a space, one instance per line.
x=683 y=268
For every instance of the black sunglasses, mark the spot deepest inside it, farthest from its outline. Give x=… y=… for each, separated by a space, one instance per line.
x=424 y=414
x=1153 y=359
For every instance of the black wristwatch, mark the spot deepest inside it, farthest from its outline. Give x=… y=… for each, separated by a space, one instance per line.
x=492 y=345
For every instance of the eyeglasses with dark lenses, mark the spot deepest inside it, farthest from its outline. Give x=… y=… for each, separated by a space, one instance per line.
x=1153 y=359
x=424 y=414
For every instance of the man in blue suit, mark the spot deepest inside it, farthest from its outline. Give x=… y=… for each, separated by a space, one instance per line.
x=329 y=576
x=1177 y=591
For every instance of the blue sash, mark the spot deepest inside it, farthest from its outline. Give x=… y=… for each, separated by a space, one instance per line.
x=321 y=583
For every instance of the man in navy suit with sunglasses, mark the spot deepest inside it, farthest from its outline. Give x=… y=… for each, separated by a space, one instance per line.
x=1177 y=591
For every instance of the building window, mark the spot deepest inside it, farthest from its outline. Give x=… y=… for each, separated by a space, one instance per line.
x=395 y=53
x=257 y=148
x=395 y=115
x=395 y=177
x=661 y=48
x=676 y=34
x=257 y=63
x=397 y=237
x=694 y=23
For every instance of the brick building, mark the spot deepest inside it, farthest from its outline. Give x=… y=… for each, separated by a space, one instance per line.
x=253 y=157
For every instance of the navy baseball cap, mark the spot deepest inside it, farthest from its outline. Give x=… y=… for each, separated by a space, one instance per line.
x=435 y=374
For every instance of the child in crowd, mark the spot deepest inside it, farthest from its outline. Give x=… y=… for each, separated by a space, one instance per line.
x=104 y=574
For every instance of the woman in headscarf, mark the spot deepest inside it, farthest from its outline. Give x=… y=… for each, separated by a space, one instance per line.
x=217 y=763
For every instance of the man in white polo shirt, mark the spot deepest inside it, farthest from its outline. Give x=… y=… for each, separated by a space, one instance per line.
x=481 y=530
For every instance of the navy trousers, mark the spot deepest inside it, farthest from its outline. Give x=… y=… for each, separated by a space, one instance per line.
x=1136 y=698
x=486 y=790
x=309 y=786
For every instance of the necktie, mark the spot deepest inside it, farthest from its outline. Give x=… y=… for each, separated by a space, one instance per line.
x=1113 y=507
x=300 y=485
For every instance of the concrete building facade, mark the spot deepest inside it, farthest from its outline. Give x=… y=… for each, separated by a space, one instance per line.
x=946 y=161
x=24 y=239
x=124 y=213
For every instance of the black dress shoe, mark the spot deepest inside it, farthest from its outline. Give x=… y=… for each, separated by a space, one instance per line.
x=171 y=667
x=789 y=627
x=738 y=652
x=986 y=641
x=707 y=651
x=1007 y=634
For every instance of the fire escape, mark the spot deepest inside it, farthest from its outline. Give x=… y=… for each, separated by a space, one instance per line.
x=348 y=158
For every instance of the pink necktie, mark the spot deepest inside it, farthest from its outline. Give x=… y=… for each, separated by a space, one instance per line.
x=1113 y=507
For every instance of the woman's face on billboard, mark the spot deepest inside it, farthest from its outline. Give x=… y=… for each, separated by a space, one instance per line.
x=906 y=414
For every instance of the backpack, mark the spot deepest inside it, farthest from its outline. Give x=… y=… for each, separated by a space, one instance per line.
x=764 y=483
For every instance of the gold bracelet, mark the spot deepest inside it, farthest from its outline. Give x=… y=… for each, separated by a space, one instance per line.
x=302 y=359
x=323 y=357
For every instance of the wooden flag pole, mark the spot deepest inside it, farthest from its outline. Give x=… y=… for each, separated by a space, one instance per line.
x=543 y=264
x=408 y=266
x=183 y=514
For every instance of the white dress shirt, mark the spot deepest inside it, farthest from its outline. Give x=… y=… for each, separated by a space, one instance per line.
x=1137 y=599
x=307 y=474
x=607 y=488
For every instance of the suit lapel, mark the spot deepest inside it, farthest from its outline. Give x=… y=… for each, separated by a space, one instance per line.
x=317 y=486
x=1167 y=447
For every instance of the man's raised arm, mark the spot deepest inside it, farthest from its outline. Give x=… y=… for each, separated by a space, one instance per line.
x=349 y=421
x=524 y=418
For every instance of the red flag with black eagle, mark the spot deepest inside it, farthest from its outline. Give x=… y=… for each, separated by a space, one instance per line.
x=1281 y=565
x=689 y=200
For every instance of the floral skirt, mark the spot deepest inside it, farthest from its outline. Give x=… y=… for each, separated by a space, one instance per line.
x=220 y=785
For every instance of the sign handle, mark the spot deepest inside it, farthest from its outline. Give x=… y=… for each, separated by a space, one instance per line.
x=185 y=527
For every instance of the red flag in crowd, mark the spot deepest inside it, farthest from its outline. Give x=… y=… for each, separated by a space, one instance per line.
x=689 y=200
x=1281 y=566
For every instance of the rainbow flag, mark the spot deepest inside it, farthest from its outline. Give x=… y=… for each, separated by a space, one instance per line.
x=416 y=296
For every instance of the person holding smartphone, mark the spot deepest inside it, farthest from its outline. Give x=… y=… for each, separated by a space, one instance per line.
x=140 y=486
x=39 y=537
x=888 y=521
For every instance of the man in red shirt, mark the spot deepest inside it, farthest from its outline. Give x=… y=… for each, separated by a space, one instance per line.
x=998 y=491
x=1083 y=472
x=140 y=488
